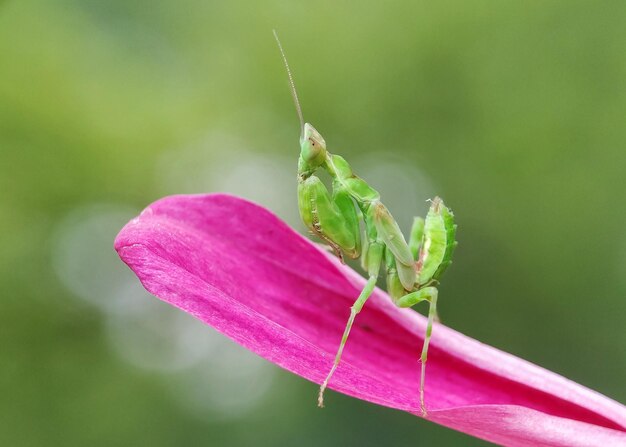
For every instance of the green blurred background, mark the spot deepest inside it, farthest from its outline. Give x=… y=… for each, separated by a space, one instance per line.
x=512 y=111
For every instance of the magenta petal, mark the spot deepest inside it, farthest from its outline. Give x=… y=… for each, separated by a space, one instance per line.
x=238 y=268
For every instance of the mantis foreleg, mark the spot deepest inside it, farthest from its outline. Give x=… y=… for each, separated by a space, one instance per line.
x=332 y=218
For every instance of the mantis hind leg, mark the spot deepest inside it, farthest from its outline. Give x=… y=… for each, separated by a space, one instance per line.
x=417 y=234
x=426 y=294
x=374 y=255
x=415 y=244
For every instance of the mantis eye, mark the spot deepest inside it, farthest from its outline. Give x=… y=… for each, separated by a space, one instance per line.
x=313 y=146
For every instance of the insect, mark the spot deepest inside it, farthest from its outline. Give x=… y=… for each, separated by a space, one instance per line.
x=413 y=269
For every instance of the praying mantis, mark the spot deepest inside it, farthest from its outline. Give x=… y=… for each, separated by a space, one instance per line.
x=413 y=269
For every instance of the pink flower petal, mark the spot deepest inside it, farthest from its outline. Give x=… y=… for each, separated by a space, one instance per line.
x=238 y=268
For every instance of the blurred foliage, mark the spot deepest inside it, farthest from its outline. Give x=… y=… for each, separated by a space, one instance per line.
x=514 y=110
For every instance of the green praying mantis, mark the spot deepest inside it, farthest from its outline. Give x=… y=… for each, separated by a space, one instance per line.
x=413 y=269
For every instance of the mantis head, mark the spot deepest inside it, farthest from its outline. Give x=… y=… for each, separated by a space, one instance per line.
x=312 y=147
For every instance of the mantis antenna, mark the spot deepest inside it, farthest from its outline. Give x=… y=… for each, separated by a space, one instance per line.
x=293 y=86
